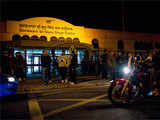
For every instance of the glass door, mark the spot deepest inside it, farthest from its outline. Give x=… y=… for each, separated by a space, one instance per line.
x=36 y=60
x=36 y=63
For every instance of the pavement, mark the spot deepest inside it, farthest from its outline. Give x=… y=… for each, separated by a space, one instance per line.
x=38 y=86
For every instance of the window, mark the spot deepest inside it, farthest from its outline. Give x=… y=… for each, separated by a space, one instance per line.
x=58 y=52
x=120 y=45
x=34 y=37
x=54 y=39
x=95 y=43
x=19 y=50
x=136 y=45
x=25 y=37
x=16 y=37
x=80 y=55
x=43 y=38
x=61 y=39
x=76 y=40
x=69 y=40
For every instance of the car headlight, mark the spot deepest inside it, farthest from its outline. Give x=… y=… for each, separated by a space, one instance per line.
x=126 y=70
x=11 y=79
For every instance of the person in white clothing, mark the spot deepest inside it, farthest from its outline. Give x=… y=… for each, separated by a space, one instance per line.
x=63 y=63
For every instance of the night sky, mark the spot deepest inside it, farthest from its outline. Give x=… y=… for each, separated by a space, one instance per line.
x=140 y=16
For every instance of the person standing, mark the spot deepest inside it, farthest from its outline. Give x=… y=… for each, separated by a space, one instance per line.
x=148 y=69
x=97 y=66
x=138 y=58
x=104 y=67
x=45 y=61
x=131 y=61
x=119 y=61
x=156 y=70
x=19 y=66
x=111 y=63
x=55 y=66
x=12 y=64
x=5 y=63
x=63 y=63
x=84 y=65
x=72 y=68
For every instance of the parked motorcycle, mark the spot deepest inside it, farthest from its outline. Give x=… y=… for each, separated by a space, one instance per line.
x=129 y=88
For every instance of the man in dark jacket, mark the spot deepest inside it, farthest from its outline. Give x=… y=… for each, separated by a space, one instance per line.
x=72 y=68
x=156 y=68
x=119 y=61
x=5 y=63
x=104 y=69
x=111 y=63
x=45 y=61
x=19 y=66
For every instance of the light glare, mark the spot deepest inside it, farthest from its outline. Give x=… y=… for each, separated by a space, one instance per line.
x=11 y=79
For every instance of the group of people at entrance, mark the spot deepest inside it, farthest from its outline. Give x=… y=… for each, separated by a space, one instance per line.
x=109 y=64
x=64 y=63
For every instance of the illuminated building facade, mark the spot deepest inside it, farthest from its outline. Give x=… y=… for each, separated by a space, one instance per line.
x=31 y=36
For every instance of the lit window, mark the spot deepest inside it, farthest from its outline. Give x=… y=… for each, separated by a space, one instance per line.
x=36 y=68
x=29 y=70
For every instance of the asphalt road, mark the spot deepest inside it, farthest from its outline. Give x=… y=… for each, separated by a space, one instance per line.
x=86 y=102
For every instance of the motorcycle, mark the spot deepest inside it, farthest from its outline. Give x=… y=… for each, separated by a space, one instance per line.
x=128 y=89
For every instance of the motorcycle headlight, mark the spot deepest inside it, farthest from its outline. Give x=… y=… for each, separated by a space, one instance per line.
x=11 y=79
x=126 y=70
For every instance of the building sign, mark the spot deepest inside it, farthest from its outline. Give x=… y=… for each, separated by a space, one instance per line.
x=45 y=29
x=46 y=26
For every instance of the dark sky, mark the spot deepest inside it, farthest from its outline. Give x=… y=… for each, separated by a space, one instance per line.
x=140 y=16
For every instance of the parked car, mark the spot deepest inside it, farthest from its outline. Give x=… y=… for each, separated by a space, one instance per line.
x=8 y=84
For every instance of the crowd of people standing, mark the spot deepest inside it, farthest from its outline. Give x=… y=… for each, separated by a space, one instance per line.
x=62 y=63
x=66 y=66
x=110 y=64
x=13 y=65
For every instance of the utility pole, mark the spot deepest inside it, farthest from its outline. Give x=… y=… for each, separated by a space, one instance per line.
x=123 y=17
x=123 y=22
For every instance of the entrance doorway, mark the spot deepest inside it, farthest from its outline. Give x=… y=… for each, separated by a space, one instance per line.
x=36 y=59
x=33 y=60
x=36 y=63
